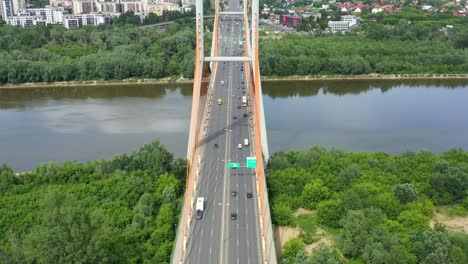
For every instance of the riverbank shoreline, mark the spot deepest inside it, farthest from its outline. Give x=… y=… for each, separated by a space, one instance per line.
x=382 y=77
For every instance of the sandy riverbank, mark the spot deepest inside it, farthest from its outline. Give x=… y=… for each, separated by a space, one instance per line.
x=264 y=79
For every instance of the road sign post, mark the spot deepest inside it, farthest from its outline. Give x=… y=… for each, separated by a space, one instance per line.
x=233 y=165
x=251 y=162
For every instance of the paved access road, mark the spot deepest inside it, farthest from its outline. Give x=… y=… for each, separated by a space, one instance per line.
x=217 y=238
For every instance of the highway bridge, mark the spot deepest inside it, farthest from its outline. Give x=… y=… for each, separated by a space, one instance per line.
x=225 y=130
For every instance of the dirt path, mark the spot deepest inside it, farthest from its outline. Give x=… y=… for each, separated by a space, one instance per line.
x=284 y=233
x=324 y=239
x=452 y=223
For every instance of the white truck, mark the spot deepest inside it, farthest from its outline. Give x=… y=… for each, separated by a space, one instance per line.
x=200 y=207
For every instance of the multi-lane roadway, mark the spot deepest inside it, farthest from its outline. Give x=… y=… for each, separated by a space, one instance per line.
x=218 y=237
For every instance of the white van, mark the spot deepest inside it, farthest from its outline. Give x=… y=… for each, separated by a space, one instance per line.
x=246 y=142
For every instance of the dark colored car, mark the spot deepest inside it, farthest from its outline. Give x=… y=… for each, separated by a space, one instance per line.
x=249 y=195
x=234 y=193
x=233 y=216
x=216 y=145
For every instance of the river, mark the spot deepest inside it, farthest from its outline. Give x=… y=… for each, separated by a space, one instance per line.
x=96 y=122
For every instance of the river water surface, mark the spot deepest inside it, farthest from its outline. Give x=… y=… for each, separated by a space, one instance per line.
x=88 y=123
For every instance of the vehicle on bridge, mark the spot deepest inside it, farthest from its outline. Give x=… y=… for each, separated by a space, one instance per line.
x=220 y=101
x=200 y=207
x=233 y=216
x=244 y=101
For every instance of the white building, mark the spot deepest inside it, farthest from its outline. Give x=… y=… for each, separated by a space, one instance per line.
x=53 y=15
x=115 y=7
x=342 y=26
x=353 y=20
x=26 y=20
x=313 y=14
x=76 y=21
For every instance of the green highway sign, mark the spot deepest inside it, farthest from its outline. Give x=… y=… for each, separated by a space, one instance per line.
x=251 y=162
x=234 y=42
x=233 y=165
x=243 y=28
x=242 y=42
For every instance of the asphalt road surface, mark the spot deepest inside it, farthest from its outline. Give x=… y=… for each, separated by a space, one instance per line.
x=217 y=238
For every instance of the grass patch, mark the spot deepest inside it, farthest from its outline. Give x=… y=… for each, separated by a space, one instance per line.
x=307 y=222
x=355 y=261
x=457 y=210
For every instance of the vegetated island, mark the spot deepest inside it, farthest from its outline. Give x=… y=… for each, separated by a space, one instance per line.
x=124 y=51
x=327 y=205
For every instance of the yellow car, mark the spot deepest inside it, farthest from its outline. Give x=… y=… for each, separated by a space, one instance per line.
x=220 y=101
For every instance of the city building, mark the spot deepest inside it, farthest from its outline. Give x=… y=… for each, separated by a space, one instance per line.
x=353 y=20
x=346 y=24
x=116 y=7
x=76 y=21
x=18 y=5
x=70 y=22
x=342 y=26
x=84 y=6
x=53 y=15
x=289 y=21
x=26 y=20
x=64 y=3
x=7 y=8
x=312 y=14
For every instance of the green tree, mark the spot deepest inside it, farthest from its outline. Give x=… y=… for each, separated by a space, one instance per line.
x=314 y=193
x=323 y=254
x=69 y=232
x=359 y=227
x=282 y=215
x=330 y=212
x=302 y=257
x=349 y=174
x=431 y=246
x=457 y=256
x=291 y=248
x=405 y=193
x=7 y=178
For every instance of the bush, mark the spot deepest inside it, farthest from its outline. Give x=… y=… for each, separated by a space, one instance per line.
x=282 y=215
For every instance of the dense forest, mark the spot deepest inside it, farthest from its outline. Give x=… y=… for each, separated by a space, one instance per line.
x=393 y=46
x=125 y=50
x=377 y=207
x=123 y=210
x=47 y=54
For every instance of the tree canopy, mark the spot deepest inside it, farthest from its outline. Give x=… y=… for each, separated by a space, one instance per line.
x=377 y=205
x=122 y=210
